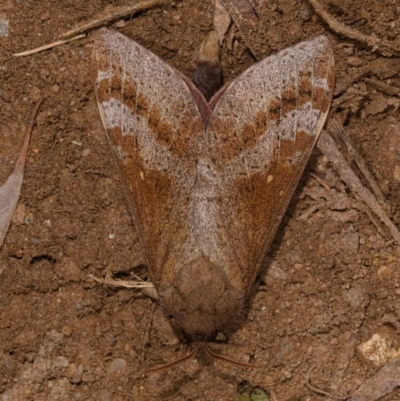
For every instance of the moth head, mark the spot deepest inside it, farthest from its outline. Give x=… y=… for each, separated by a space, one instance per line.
x=202 y=300
x=200 y=336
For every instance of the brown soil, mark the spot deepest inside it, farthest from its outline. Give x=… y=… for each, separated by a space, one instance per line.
x=333 y=279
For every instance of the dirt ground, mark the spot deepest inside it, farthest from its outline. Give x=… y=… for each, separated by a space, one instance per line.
x=333 y=277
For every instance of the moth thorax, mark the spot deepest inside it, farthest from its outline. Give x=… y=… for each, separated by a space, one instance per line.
x=202 y=300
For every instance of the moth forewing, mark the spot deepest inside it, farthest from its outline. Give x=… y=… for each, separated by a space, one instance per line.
x=208 y=184
x=153 y=126
x=259 y=138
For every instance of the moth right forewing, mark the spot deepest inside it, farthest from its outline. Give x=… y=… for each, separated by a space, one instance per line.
x=153 y=126
x=259 y=137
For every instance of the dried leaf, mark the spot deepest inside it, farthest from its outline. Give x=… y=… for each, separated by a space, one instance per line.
x=222 y=20
x=382 y=383
x=10 y=190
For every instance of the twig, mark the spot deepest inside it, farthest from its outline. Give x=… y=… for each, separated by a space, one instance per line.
x=144 y=341
x=383 y=47
x=383 y=87
x=111 y=15
x=355 y=161
x=331 y=150
x=48 y=46
x=28 y=133
x=108 y=280
x=375 y=222
x=307 y=213
x=246 y=20
x=317 y=390
x=102 y=19
x=320 y=181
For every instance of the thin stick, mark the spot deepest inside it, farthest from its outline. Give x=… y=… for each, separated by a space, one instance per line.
x=329 y=148
x=317 y=390
x=111 y=15
x=246 y=20
x=145 y=338
x=383 y=47
x=104 y=18
x=383 y=87
x=28 y=132
x=355 y=161
x=48 y=46
x=122 y=283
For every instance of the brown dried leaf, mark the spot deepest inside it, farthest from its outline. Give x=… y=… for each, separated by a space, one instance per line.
x=10 y=190
x=382 y=383
x=222 y=20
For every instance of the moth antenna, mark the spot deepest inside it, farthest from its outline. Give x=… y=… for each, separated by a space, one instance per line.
x=232 y=361
x=171 y=364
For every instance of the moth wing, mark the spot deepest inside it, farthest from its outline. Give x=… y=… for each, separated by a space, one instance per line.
x=154 y=127
x=260 y=135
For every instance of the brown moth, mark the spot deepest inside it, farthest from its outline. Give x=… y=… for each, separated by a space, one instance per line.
x=208 y=182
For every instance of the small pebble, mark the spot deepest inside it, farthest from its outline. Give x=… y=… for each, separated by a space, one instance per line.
x=44 y=73
x=28 y=218
x=384 y=272
x=60 y=362
x=259 y=395
x=355 y=297
x=4 y=27
x=110 y=338
x=396 y=173
x=34 y=94
x=19 y=214
x=354 y=61
x=117 y=366
x=305 y=13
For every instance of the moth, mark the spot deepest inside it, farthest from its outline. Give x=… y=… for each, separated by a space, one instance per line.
x=207 y=182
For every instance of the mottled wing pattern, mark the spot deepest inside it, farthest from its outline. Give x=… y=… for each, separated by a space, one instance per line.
x=154 y=128
x=258 y=140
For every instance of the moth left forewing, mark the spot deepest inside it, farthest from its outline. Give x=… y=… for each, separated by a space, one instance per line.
x=258 y=140
x=154 y=128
